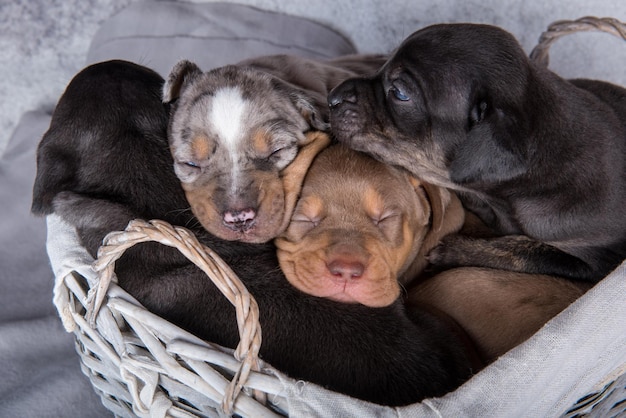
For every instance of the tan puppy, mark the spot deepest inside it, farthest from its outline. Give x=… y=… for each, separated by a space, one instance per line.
x=498 y=309
x=237 y=131
x=361 y=229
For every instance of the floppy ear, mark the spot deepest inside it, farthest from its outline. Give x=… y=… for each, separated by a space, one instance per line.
x=447 y=214
x=293 y=175
x=181 y=74
x=493 y=149
x=447 y=217
x=312 y=105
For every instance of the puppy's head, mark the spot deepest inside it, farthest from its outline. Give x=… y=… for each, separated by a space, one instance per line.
x=107 y=134
x=359 y=227
x=447 y=106
x=241 y=144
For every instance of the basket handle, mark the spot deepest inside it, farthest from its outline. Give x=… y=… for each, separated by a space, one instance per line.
x=247 y=310
x=564 y=27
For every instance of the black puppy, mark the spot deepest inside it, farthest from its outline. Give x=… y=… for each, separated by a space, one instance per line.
x=539 y=159
x=105 y=160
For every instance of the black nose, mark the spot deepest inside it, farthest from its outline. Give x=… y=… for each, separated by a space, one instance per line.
x=344 y=92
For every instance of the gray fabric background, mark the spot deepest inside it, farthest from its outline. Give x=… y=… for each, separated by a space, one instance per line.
x=44 y=42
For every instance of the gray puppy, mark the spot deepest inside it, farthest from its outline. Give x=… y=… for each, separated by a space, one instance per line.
x=239 y=138
x=541 y=160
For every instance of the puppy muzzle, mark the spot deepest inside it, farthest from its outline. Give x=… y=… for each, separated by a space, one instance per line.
x=344 y=92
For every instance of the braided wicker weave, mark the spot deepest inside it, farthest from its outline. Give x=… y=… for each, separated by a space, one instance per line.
x=142 y=365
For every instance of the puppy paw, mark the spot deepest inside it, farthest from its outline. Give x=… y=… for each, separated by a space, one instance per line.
x=452 y=251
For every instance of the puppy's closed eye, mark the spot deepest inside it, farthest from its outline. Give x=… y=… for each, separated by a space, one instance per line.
x=387 y=219
x=190 y=164
x=188 y=170
x=308 y=215
x=301 y=224
x=389 y=222
x=281 y=156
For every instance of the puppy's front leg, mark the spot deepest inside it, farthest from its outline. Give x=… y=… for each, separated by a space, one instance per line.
x=511 y=252
x=87 y=212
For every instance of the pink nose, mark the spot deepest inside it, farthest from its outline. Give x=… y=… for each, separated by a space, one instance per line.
x=346 y=270
x=239 y=220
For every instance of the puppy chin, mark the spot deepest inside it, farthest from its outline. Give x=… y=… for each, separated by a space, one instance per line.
x=270 y=219
x=360 y=291
x=254 y=234
x=312 y=278
x=259 y=231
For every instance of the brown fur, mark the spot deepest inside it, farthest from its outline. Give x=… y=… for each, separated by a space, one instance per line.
x=498 y=309
x=361 y=229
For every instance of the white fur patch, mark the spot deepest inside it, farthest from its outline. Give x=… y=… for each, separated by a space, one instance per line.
x=227 y=116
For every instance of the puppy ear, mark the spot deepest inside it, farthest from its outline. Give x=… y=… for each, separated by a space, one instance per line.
x=439 y=199
x=447 y=217
x=181 y=74
x=312 y=105
x=492 y=151
x=293 y=175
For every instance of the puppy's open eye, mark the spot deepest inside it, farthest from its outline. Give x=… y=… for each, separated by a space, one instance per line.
x=399 y=94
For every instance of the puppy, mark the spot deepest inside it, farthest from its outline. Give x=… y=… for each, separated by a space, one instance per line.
x=237 y=134
x=539 y=159
x=361 y=228
x=498 y=309
x=105 y=160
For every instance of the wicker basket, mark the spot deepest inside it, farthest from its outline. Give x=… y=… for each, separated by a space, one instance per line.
x=142 y=365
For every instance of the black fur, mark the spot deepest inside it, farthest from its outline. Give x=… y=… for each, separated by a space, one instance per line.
x=530 y=153
x=105 y=160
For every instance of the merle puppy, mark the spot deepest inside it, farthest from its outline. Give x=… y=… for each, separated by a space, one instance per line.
x=105 y=160
x=541 y=160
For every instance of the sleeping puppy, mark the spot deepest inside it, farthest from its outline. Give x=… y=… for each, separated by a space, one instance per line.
x=237 y=134
x=105 y=160
x=541 y=160
x=498 y=309
x=362 y=229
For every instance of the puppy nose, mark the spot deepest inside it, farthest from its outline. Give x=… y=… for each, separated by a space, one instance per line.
x=239 y=220
x=344 y=92
x=346 y=270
